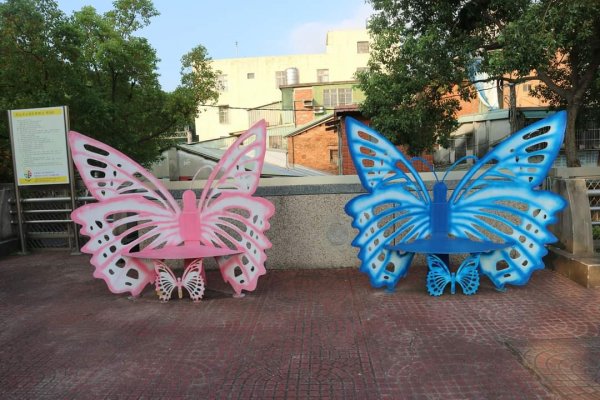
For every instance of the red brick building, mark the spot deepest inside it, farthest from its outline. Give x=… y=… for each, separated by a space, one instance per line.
x=314 y=147
x=319 y=143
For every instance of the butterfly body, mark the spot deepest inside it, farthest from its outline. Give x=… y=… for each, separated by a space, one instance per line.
x=179 y=284
x=189 y=219
x=439 y=210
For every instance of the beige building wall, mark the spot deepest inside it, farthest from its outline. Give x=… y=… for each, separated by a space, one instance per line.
x=251 y=81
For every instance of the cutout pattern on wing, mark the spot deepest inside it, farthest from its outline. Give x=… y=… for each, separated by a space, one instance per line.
x=193 y=280
x=396 y=208
x=116 y=226
x=133 y=208
x=378 y=162
x=108 y=173
x=231 y=217
x=165 y=281
x=498 y=200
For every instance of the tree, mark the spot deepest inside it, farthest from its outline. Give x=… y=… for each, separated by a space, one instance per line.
x=36 y=59
x=98 y=67
x=423 y=51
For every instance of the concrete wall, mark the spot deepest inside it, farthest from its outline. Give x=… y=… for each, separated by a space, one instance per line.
x=574 y=228
x=310 y=228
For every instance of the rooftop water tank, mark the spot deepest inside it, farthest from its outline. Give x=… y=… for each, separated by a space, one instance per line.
x=291 y=76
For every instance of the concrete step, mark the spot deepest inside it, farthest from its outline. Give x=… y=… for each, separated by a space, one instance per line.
x=583 y=269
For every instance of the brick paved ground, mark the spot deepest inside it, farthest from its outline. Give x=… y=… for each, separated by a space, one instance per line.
x=319 y=334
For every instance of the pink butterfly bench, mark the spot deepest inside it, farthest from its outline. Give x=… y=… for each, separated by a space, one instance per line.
x=135 y=211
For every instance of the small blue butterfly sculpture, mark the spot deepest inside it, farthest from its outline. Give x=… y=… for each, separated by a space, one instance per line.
x=496 y=212
x=439 y=276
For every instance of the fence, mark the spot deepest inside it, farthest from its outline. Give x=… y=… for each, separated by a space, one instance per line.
x=46 y=218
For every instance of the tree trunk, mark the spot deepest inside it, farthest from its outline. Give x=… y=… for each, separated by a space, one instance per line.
x=570 y=139
x=512 y=108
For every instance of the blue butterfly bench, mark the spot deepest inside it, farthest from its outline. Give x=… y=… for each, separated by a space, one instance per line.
x=496 y=214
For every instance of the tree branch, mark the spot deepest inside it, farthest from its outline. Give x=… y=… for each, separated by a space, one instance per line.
x=564 y=93
x=586 y=79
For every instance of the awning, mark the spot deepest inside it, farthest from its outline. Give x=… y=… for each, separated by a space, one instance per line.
x=463 y=130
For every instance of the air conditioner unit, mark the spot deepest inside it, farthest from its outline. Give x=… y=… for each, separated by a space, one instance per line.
x=308 y=103
x=319 y=110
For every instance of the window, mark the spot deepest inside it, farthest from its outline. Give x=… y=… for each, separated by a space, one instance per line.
x=333 y=156
x=322 y=75
x=280 y=78
x=362 y=47
x=276 y=142
x=223 y=114
x=250 y=75
x=222 y=83
x=361 y=69
x=337 y=97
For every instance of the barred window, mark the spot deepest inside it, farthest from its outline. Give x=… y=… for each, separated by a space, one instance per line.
x=280 y=78
x=337 y=97
x=362 y=47
x=322 y=75
x=223 y=114
x=222 y=83
x=333 y=156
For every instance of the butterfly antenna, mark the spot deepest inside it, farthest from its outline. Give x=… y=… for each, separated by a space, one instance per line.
x=427 y=164
x=459 y=161
x=197 y=172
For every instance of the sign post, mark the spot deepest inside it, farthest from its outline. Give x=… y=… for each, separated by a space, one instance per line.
x=41 y=156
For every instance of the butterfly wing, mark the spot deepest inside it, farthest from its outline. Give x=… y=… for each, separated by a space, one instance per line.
x=231 y=217
x=192 y=280
x=497 y=199
x=165 y=281
x=133 y=209
x=467 y=275
x=438 y=276
x=395 y=209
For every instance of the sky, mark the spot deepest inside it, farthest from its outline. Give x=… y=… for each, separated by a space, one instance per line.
x=238 y=28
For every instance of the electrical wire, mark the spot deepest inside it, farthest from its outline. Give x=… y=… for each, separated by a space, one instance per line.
x=324 y=108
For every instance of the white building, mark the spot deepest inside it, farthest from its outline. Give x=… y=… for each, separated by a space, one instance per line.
x=254 y=81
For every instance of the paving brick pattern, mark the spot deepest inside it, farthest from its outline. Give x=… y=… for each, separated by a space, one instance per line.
x=303 y=334
x=569 y=366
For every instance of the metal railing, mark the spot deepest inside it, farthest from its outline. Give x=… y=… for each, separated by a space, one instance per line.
x=46 y=218
x=593 y=191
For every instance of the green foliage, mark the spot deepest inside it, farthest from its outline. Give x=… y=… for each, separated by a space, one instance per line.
x=97 y=66
x=596 y=232
x=422 y=52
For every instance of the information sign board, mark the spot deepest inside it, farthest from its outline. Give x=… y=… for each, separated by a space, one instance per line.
x=39 y=143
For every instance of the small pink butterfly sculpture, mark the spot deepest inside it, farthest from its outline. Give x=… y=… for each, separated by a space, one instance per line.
x=135 y=210
x=192 y=281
